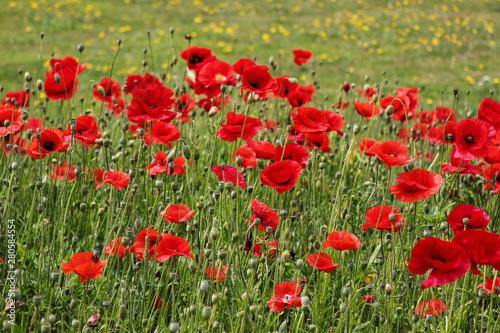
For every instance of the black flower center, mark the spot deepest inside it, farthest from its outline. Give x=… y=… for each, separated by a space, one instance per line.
x=49 y=145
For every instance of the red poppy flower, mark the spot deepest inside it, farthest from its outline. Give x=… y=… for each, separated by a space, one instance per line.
x=384 y=218
x=491 y=285
x=442 y=115
x=269 y=249
x=285 y=86
x=367 y=110
x=86 y=265
x=19 y=99
x=116 y=247
x=184 y=105
x=346 y=87
x=262 y=149
x=401 y=105
x=483 y=247
x=216 y=73
x=249 y=159
x=411 y=94
x=443 y=134
x=322 y=261
x=161 y=165
x=258 y=80
x=14 y=144
x=335 y=122
x=369 y=147
x=459 y=165
x=369 y=299
x=177 y=213
x=110 y=93
x=239 y=126
x=35 y=124
x=10 y=120
x=229 y=174
x=282 y=175
x=368 y=91
x=294 y=152
x=416 y=184
x=138 y=82
x=393 y=153
x=172 y=246
x=195 y=55
x=163 y=133
x=309 y=120
x=240 y=65
x=448 y=261
x=342 y=241
x=465 y=217
x=432 y=306
x=473 y=137
x=300 y=57
x=62 y=82
x=318 y=141
x=151 y=103
x=46 y=142
x=268 y=217
x=86 y=131
x=489 y=111
x=287 y=295
x=118 y=179
x=493 y=153
x=216 y=274
x=492 y=174
x=62 y=172
x=146 y=240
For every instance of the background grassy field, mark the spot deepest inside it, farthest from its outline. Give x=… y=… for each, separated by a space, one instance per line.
x=414 y=42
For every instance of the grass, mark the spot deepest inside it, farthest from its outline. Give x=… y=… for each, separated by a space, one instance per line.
x=362 y=42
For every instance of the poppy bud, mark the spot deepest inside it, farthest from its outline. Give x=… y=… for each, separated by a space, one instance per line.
x=356 y=129
x=343 y=307
x=186 y=151
x=192 y=309
x=123 y=314
x=346 y=291
x=57 y=78
x=285 y=256
x=206 y=313
x=158 y=183
x=427 y=233
x=389 y=110
x=214 y=233
x=174 y=327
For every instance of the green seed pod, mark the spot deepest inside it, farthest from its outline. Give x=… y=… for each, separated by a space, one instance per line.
x=206 y=312
x=123 y=314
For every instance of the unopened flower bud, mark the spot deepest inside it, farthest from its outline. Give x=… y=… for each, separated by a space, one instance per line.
x=389 y=110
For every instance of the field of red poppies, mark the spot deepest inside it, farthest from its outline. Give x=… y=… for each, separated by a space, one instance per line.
x=232 y=196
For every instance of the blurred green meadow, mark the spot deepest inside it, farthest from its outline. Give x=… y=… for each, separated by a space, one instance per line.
x=432 y=45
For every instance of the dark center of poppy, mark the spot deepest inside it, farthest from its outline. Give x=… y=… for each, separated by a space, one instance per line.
x=440 y=259
x=254 y=85
x=195 y=59
x=48 y=145
x=95 y=259
x=470 y=139
x=151 y=107
x=285 y=182
x=81 y=131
